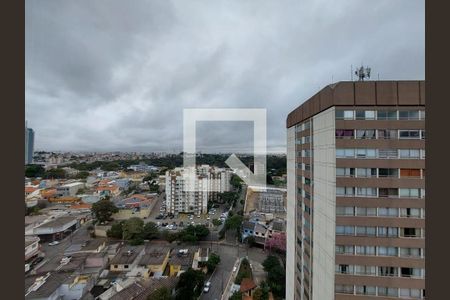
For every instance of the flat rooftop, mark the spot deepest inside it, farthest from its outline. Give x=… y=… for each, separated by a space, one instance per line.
x=126 y=255
x=61 y=221
x=154 y=256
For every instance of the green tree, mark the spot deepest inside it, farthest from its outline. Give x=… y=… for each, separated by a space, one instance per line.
x=133 y=229
x=216 y=222
x=150 y=231
x=275 y=275
x=236 y=181
x=34 y=171
x=236 y=296
x=261 y=293
x=190 y=284
x=213 y=261
x=160 y=294
x=54 y=173
x=193 y=233
x=234 y=222
x=103 y=210
x=82 y=175
x=116 y=230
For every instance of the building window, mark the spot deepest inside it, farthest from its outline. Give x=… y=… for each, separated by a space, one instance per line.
x=410 y=252
x=409 y=193
x=388 y=231
x=388 y=271
x=409 y=153
x=410 y=293
x=410 y=212
x=410 y=232
x=408 y=115
x=345 y=114
x=365 y=115
x=387 y=134
x=345 y=191
x=409 y=134
x=366 y=153
x=366 y=211
x=344 y=288
x=366 y=192
x=388 y=291
x=345 y=172
x=345 y=133
x=410 y=173
x=365 y=134
x=365 y=270
x=387 y=251
x=387 y=192
x=365 y=250
x=345 y=211
x=345 y=230
x=344 y=269
x=387 y=153
x=345 y=153
x=383 y=172
x=366 y=172
x=365 y=290
x=366 y=231
x=422 y=115
x=347 y=250
x=422 y=134
x=387 y=115
x=388 y=212
x=410 y=272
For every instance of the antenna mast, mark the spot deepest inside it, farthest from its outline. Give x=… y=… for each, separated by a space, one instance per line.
x=363 y=73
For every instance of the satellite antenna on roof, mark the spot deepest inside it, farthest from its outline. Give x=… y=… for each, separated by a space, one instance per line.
x=362 y=73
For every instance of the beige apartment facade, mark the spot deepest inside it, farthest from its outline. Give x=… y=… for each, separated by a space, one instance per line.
x=356 y=193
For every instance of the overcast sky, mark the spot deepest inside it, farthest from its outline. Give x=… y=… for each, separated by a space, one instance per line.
x=116 y=75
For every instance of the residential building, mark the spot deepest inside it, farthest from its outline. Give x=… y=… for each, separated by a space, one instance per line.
x=180 y=260
x=356 y=192
x=56 y=229
x=32 y=247
x=154 y=260
x=182 y=197
x=126 y=259
x=29 y=144
x=69 y=189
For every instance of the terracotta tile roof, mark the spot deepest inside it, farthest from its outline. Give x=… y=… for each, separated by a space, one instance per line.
x=247 y=284
x=30 y=189
x=81 y=206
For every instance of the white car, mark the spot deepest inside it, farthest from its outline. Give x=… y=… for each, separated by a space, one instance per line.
x=54 y=243
x=208 y=218
x=207 y=286
x=234 y=269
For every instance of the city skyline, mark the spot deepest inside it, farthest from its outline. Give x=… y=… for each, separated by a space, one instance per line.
x=94 y=83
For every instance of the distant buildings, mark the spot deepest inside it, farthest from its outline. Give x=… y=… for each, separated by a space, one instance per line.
x=181 y=197
x=29 y=144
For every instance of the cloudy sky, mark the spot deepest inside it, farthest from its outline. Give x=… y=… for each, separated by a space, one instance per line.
x=116 y=75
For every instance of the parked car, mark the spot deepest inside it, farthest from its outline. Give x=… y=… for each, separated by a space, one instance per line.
x=54 y=243
x=37 y=260
x=207 y=286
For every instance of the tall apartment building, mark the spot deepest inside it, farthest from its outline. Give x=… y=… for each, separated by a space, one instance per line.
x=180 y=197
x=356 y=193
x=29 y=144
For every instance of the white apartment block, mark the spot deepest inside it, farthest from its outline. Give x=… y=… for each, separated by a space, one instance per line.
x=182 y=198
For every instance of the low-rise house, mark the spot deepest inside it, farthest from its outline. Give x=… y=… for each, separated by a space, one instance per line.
x=69 y=189
x=180 y=260
x=144 y=289
x=155 y=260
x=32 y=247
x=137 y=205
x=57 y=228
x=247 y=286
x=90 y=246
x=126 y=259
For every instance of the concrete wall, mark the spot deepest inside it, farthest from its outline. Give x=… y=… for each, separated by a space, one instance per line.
x=324 y=209
x=290 y=215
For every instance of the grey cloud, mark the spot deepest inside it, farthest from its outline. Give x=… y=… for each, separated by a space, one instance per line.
x=114 y=75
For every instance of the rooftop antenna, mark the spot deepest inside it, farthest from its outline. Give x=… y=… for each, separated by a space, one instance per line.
x=363 y=72
x=351 y=72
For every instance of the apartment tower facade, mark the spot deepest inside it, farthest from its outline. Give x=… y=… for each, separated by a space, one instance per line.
x=356 y=193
